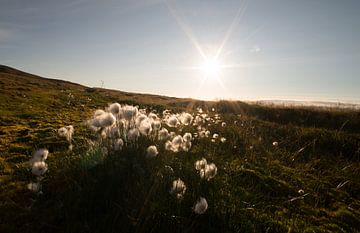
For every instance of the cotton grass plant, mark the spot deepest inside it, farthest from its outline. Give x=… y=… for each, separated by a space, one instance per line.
x=145 y=151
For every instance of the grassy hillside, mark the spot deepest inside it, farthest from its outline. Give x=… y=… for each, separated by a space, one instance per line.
x=309 y=182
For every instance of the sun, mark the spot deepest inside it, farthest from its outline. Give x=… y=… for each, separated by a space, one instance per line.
x=211 y=67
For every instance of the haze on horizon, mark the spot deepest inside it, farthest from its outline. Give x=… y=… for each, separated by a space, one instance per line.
x=294 y=50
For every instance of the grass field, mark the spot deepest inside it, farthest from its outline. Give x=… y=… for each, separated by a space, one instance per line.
x=309 y=181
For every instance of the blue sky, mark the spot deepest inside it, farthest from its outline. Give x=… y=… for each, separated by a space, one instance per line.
x=278 y=49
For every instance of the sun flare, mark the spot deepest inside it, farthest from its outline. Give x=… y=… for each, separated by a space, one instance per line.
x=211 y=67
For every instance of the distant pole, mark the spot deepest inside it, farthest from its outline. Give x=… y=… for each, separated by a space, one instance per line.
x=102 y=83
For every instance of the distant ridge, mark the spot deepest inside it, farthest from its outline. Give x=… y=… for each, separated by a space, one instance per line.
x=13 y=71
x=276 y=103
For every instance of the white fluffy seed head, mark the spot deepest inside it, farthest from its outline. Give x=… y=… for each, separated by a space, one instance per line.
x=153 y=116
x=207 y=133
x=115 y=108
x=139 y=118
x=178 y=188
x=209 y=172
x=39 y=168
x=163 y=134
x=145 y=127
x=104 y=120
x=187 y=137
x=201 y=206
x=98 y=113
x=66 y=132
x=151 y=151
x=129 y=112
x=186 y=146
x=39 y=156
x=215 y=136
x=168 y=145
x=172 y=121
x=186 y=118
x=156 y=124
x=133 y=134
x=200 y=164
x=118 y=144
x=223 y=124
x=34 y=187
x=223 y=140
x=275 y=144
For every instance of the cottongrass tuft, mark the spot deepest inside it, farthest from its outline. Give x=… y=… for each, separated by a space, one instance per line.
x=172 y=121
x=206 y=171
x=39 y=168
x=118 y=144
x=129 y=112
x=115 y=108
x=133 y=134
x=41 y=155
x=187 y=137
x=66 y=132
x=178 y=188
x=163 y=134
x=145 y=127
x=201 y=206
x=34 y=186
x=151 y=152
x=223 y=140
x=200 y=164
x=275 y=144
x=186 y=118
x=105 y=119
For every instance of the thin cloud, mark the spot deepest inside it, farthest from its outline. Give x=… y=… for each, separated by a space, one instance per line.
x=255 y=49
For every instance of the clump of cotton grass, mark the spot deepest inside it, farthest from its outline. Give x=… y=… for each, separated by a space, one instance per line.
x=102 y=119
x=178 y=189
x=187 y=137
x=186 y=118
x=275 y=144
x=163 y=134
x=145 y=127
x=39 y=168
x=215 y=136
x=151 y=152
x=172 y=121
x=34 y=187
x=178 y=143
x=156 y=125
x=129 y=112
x=67 y=132
x=115 y=109
x=223 y=124
x=118 y=144
x=223 y=140
x=200 y=164
x=133 y=134
x=201 y=206
x=39 y=156
x=209 y=172
x=186 y=146
x=206 y=171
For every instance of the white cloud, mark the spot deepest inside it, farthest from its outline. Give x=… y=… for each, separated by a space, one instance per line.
x=255 y=49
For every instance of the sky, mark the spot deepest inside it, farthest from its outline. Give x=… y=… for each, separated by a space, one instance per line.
x=278 y=49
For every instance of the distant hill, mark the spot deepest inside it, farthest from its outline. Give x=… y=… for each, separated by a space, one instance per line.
x=18 y=88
